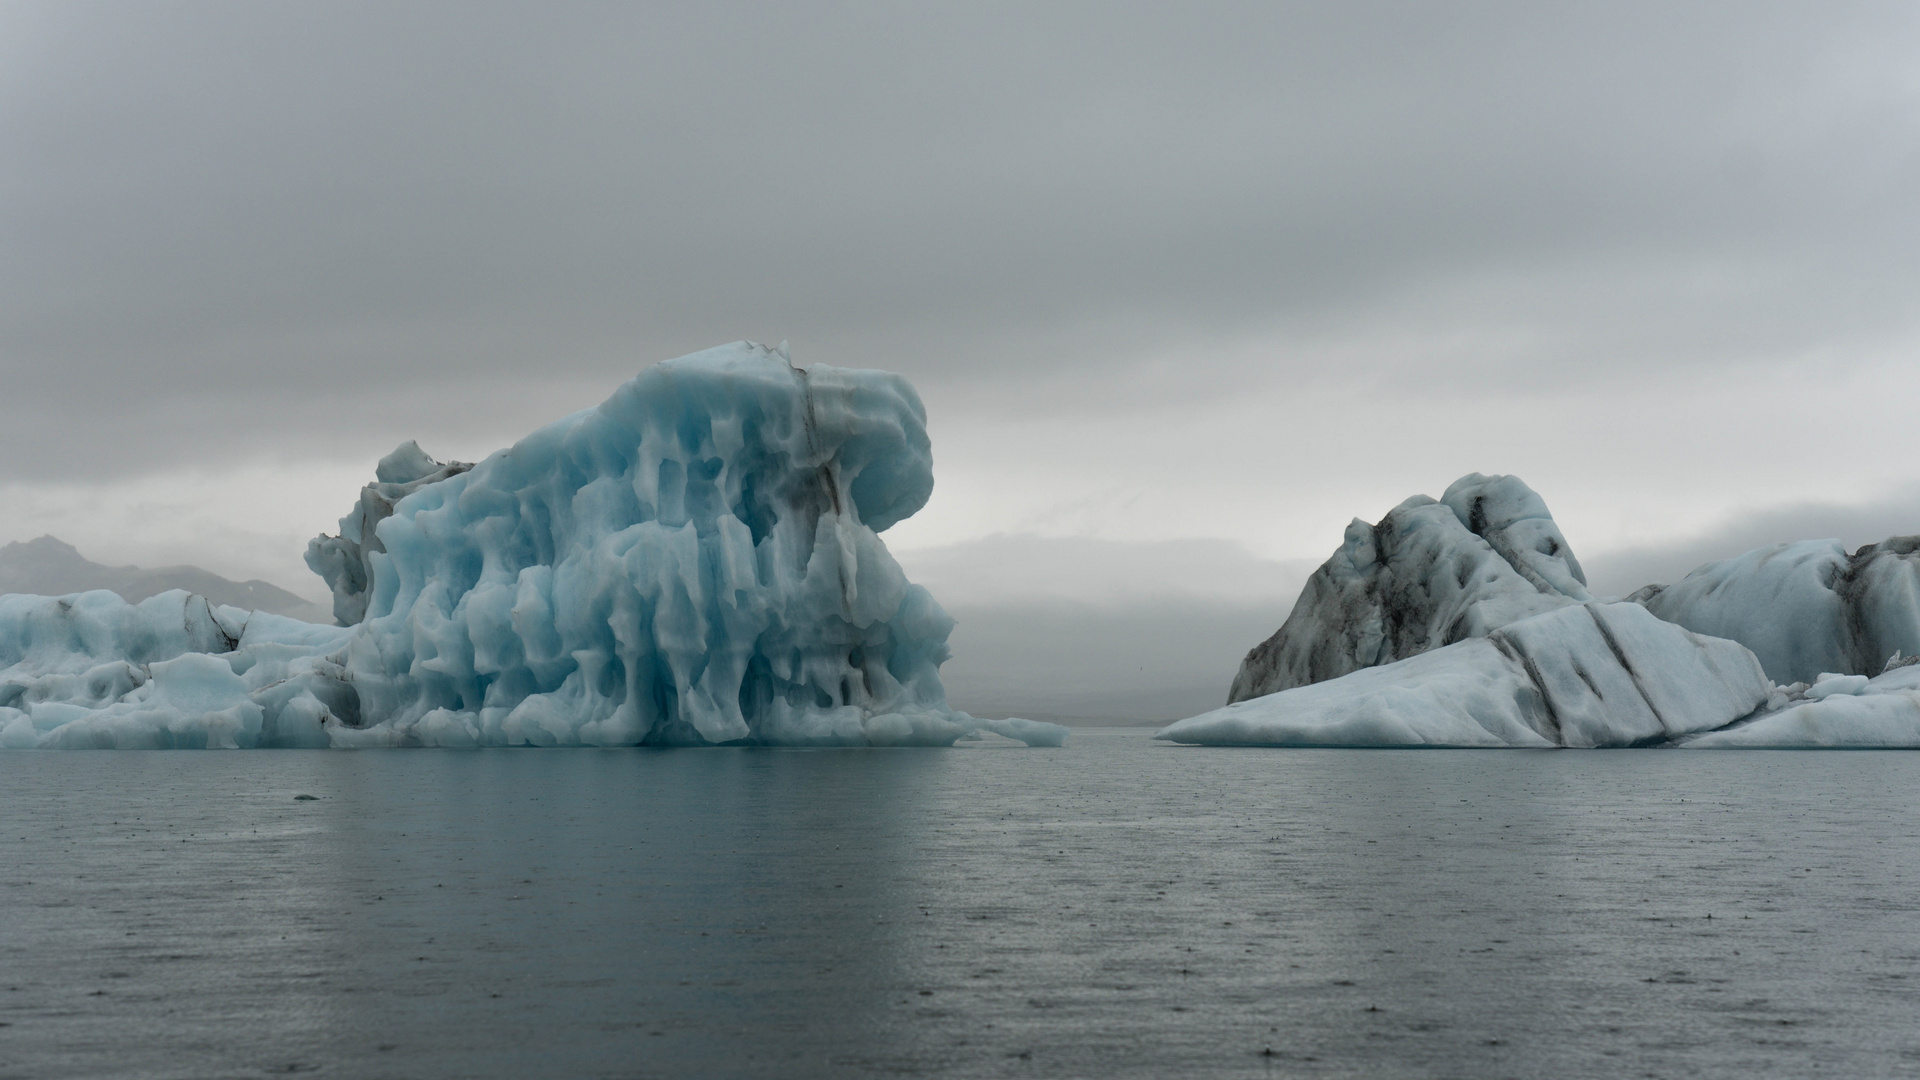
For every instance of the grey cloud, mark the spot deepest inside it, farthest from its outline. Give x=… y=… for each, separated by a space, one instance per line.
x=302 y=223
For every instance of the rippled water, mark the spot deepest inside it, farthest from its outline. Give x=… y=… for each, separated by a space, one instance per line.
x=1117 y=908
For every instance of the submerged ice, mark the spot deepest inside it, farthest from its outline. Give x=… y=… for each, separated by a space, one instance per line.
x=694 y=561
x=1467 y=622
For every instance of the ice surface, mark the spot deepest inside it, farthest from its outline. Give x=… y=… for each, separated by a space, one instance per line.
x=694 y=561
x=1428 y=574
x=1807 y=607
x=1585 y=675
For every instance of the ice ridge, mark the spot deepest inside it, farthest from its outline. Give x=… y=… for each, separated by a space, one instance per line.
x=1583 y=675
x=341 y=561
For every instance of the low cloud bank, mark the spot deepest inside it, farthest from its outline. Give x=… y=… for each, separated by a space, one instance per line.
x=1618 y=573
x=1140 y=662
x=1089 y=630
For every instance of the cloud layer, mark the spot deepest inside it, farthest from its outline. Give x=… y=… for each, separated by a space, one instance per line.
x=340 y=221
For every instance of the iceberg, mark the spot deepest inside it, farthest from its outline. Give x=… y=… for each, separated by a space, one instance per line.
x=1428 y=574
x=341 y=561
x=695 y=561
x=173 y=671
x=1467 y=622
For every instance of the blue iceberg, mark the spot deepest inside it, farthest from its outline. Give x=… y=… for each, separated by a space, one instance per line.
x=695 y=561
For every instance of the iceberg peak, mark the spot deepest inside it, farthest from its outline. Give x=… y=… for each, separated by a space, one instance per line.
x=1428 y=574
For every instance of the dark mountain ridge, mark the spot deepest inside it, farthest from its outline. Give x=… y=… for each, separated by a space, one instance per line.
x=51 y=567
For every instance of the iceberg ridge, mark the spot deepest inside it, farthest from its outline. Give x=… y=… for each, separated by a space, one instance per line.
x=1805 y=608
x=1584 y=675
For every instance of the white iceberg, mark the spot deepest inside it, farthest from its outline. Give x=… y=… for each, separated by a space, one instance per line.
x=695 y=561
x=1583 y=675
x=93 y=671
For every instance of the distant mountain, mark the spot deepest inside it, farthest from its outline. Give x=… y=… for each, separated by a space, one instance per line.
x=49 y=567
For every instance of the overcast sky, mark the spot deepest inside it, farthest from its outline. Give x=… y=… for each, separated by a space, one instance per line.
x=1231 y=274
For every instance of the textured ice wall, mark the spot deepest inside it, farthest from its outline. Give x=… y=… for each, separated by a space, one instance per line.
x=694 y=561
x=1428 y=574
x=1805 y=608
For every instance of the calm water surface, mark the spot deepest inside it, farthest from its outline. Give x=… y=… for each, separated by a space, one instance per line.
x=1116 y=908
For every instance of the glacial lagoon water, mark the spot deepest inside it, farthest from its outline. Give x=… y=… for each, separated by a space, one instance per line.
x=1115 y=908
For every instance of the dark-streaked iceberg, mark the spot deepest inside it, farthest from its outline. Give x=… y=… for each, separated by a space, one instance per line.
x=1426 y=575
x=1467 y=622
x=695 y=561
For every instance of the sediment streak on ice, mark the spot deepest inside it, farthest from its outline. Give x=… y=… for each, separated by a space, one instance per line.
x=694 y=561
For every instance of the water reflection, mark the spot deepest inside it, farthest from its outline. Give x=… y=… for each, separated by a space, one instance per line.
x=1117 y=908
